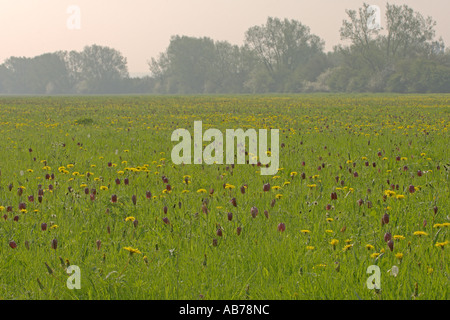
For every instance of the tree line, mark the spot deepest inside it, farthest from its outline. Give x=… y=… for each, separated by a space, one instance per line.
x=280 y=56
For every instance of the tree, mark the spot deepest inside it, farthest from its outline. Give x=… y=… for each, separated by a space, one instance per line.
x=283 y=47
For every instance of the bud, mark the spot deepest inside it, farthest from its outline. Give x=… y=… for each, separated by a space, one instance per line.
x=230 y=216
x=99 y=243
x=266 y=213
x=238 y=230
x=281 y=227
x=242 y=189
x=13 y=244
x=214 y=242
x=19 y=191
x=54 y=244
x=148 y=195
x=219 y=232
x=266 y=187
x=165 y=209
x=254 y=211
x=134 y=199
x=135 y=223
x=166 y=220
x=419 y=173
x=385 y=218
x=113 y=198
x=412 y=189
x=391 y=245
x=43 y=226
x=117 y=181
x=233 y=202
x=387 y=236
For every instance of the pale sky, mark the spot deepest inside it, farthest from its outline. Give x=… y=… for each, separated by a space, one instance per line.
x=141 y=29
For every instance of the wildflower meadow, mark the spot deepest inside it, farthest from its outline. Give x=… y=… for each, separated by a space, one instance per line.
x=88 y=188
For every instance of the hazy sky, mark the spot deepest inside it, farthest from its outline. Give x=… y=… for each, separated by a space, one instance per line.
x=140 y=29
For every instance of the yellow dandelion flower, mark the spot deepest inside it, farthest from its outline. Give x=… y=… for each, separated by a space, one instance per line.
x=54 y=226
x=130 y=219
x=374 y=255
x=132 y=250
x=369 y=247
x=347 y=247
x=420 y=233
x=309 y=248
x=441 y=244
x=103 y=188
x=399 y=237
x=400 y=196
x=334 y=242
x=399 y=255
x=305 y=231
x=201 y=191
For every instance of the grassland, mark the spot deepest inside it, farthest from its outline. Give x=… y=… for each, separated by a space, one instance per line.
x=84 y=181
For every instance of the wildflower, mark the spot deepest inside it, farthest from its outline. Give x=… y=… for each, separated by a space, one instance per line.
x=369 y=247
x=103 y=188
x=400 y=196
x=201 y=191
x=420 y=233
x=399 y=237
x=441 y=244
x=278 y=196
x=132 y=250
x=334 y=242
x=54 y=227
x=374 y=255
x=347 y=247
x=329 y=231
x=130 y=219
x=399 y=255
x=305 y=231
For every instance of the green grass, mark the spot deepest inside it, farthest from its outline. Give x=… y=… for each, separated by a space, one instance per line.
x=261 y=263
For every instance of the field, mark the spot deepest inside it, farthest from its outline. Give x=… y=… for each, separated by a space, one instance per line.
x=88 y=181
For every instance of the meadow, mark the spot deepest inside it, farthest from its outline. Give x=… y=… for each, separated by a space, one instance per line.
x=88 y=181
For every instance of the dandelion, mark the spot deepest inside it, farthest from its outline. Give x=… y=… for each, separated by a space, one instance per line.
x=420 y=233
x=55 y=226
x=334 y=242
x=399 y=256
x=132 y=250
x=309 y=248
x=441 y=244
x=305 y=231
x=201 y=191
x=400 y=196
x=103 y=188
x=347 y=247
x=399 y=237
x=369 y=247
x=130 y=219
x=375 y=255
